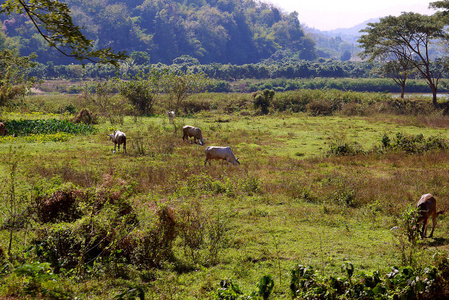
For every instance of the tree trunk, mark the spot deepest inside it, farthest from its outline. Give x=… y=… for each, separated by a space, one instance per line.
x=434 y=96
x=434 y=99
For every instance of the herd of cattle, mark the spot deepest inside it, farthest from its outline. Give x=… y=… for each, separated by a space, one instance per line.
x=212 y=152
x=426 y=205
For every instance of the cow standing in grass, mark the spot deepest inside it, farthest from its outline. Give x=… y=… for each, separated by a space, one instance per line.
x=118 y=138
x=189 y=131
x=220 y=153
x=3 y=131
x=427 y=208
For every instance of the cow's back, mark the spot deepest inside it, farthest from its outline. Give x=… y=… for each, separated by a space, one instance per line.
x=218 y=151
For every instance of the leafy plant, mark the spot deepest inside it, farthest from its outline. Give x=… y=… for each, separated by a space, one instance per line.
x=51 y=126
x=228 y=290
x=41 y=281
x=265 y=286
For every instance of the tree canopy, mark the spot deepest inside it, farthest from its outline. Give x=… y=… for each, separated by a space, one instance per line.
x=54 y=24
x=223 y=31
x=406 y=39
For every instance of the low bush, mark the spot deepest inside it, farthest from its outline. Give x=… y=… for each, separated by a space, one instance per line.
x=413 y=144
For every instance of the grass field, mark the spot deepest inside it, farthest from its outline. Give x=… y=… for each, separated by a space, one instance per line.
x=288 y=203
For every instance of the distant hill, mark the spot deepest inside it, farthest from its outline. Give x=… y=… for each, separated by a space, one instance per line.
x=338 y=43
x=353 y=31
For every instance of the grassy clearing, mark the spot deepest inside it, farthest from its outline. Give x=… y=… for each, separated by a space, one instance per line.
x=288 y=203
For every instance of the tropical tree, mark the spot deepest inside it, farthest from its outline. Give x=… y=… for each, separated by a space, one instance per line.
x=407 y=39
x=53 y=22
x=399 y=70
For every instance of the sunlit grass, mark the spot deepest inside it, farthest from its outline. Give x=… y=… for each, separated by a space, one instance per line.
x=287 y=203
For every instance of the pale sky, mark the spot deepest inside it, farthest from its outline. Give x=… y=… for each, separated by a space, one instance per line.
x=333 y=14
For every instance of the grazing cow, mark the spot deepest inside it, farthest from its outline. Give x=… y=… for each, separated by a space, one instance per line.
x=3 y=129
x=118 y=138
x=223 y=153
x=427 y=207
x=189 y=131
x=171 y=114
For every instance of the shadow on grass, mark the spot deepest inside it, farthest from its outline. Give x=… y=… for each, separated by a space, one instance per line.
x=435 y=242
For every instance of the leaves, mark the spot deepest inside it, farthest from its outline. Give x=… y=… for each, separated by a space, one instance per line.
x=54 y=23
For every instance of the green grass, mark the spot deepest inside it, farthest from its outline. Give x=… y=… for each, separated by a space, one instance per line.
x=286 y=204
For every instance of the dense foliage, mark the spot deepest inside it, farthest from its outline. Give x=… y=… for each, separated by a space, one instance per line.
x=53 y=24
x=234 y=31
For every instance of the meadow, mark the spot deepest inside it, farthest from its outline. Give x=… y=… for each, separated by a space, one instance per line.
x=329 y=191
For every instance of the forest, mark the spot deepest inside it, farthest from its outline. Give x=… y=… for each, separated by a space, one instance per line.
x=223 y=31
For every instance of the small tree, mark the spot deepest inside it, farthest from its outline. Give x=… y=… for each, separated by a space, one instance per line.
x=263 y=100
x=142 y=91
x=399 y=70
x=104 y=103
x=14 y=79
x=180 y=86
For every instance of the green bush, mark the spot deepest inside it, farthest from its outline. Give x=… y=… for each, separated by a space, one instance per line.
x=413 y=144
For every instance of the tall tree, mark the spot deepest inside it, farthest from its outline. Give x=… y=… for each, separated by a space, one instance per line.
x=53 y=21
x=407 y=38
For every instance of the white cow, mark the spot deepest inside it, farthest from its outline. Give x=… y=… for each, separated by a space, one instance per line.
x=118 y=138
x=223 y=153
x=189 y=131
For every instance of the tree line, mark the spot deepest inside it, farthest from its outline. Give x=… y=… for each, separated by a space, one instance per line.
x=267 y=69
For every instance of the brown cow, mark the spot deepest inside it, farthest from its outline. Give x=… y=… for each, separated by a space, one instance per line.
x=427 y=207
x=3 y=131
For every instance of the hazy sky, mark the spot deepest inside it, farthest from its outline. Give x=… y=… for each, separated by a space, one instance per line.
x=333 y=14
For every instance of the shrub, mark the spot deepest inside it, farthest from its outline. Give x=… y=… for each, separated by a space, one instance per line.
x=141 y=94
x=413 y=144
x=319 y=107
x=263 y=100
x=61 y=206
x=343 y=148
x=153 y=247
